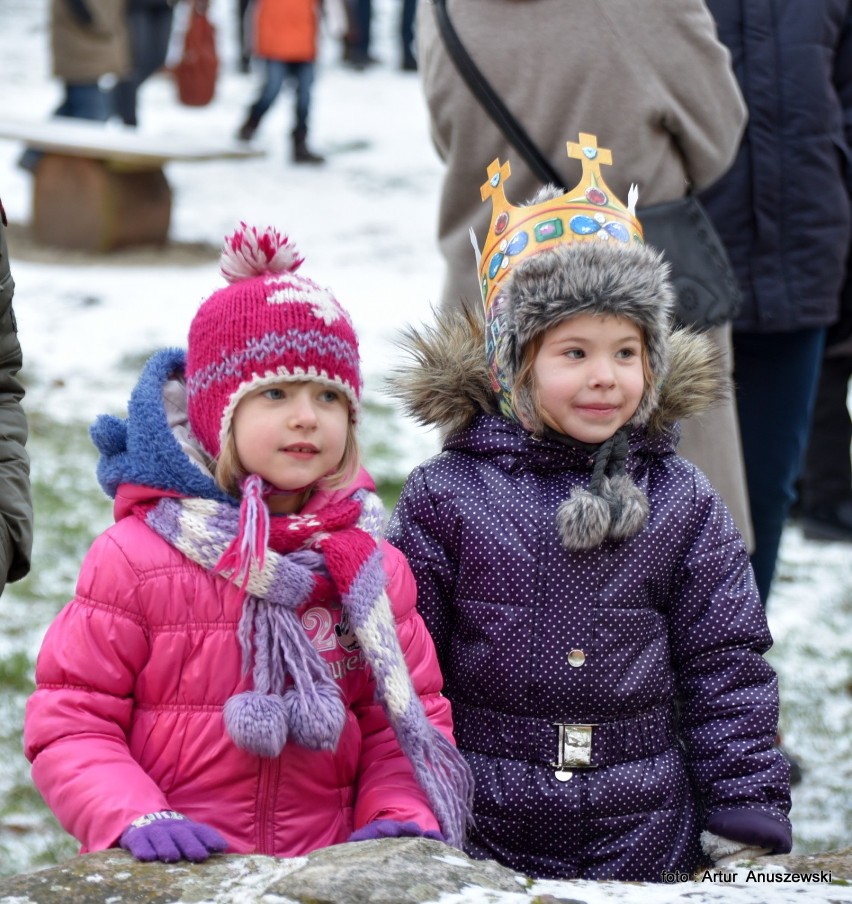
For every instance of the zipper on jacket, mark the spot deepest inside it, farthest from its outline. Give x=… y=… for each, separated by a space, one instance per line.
x=267 y=788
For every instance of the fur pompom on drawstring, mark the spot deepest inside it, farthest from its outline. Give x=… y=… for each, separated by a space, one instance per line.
x=612 y=507
x=628 y=506
x=248 y=253
x=583 y=520
x=249 y=545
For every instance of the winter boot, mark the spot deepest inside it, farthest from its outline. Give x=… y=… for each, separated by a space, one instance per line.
x=301 y=152
x=248 y=128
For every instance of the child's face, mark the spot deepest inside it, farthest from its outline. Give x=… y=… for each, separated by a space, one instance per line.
x=291 y=434
x=589 y=376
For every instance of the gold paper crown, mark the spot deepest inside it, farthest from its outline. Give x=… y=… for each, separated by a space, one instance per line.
x=590 y=212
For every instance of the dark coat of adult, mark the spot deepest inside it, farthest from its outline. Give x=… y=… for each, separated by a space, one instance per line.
x=16 y=510
x=784 y=208
x=664 y=630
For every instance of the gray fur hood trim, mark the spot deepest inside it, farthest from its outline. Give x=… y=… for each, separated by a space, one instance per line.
x=445 y=382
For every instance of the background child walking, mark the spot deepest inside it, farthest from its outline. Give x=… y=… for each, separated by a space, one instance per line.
x=590 y=597
x=285 y=39
x=233 y=672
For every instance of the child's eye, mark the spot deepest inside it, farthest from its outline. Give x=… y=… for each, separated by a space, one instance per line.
x=274 y=394
x=627 y=353
x=574 y=353
x=330 y=395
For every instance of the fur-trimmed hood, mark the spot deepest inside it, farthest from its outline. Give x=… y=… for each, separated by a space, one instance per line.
x=447 y=383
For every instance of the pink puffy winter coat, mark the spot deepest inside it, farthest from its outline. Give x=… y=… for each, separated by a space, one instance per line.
x=131 y=680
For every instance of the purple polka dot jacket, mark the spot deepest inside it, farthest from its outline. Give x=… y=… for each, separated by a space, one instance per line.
x=613 y=703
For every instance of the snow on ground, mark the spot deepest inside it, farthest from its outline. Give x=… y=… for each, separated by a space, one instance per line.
x=365 y=223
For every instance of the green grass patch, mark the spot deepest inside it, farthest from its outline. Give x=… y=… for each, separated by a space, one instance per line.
x=16 y=673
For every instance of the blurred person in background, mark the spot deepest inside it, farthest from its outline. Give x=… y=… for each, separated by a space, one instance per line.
x=285 y=39
x=88 y=41
x=149 y=25
x=407 y=17
x=784 y=213
x=356 y=40
x=16 y=510
x=244 y=35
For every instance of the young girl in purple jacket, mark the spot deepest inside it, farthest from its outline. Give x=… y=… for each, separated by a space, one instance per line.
x=591 y=600
x=242 y=667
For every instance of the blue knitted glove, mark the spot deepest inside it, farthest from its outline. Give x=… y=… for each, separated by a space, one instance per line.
x=390 y=828
x=170 y=836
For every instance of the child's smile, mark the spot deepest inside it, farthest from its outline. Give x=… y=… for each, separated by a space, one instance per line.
x=589 y=376
x=302 y=451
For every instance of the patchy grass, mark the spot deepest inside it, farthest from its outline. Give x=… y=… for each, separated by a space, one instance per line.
x=70 y=510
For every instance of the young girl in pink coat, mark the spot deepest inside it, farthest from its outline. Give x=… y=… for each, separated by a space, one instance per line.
x=243 y=668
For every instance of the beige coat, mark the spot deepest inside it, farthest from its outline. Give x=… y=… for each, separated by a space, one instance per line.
x=83 y=54
x=650 y=79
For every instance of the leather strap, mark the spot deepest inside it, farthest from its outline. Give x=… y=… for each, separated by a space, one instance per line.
x=490 y=101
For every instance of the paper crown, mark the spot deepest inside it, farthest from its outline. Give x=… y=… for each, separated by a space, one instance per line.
x=590 y=212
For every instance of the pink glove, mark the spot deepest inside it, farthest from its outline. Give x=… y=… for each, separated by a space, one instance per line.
x=170 y=836
x=390 y=828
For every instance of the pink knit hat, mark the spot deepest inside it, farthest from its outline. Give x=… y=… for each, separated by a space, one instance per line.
x=268 y=325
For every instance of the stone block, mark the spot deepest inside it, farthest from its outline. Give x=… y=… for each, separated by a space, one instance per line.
x=92 y=205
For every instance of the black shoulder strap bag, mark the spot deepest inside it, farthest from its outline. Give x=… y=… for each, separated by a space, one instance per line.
x=708 y=294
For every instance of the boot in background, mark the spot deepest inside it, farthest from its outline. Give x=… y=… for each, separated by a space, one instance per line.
x=301 y=152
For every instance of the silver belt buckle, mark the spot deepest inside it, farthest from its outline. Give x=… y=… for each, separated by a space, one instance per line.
x=575 y=749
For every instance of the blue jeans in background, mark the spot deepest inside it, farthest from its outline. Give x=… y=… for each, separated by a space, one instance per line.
x=150 y=30
x=277 y=72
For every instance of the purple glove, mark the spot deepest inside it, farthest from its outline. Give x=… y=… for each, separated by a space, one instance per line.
x=170 y=836
x=390 y=828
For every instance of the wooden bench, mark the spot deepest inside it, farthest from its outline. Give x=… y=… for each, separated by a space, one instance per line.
x=98 y=187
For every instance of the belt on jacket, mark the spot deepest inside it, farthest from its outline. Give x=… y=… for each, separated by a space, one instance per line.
x=562 y=745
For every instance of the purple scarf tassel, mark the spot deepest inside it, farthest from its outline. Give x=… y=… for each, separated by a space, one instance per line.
x=441 y=770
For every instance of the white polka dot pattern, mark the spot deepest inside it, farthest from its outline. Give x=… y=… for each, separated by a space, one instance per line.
x=669 y=617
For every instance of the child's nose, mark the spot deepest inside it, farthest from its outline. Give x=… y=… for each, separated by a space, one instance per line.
x=602 y=372
x=302 y=413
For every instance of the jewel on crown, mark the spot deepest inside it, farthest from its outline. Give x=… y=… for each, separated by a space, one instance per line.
x=589 y=212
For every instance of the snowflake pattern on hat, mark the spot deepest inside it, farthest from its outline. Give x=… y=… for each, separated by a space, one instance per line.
x=270 y=324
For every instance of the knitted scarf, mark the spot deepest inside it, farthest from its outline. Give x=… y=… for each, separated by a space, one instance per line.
x=294 y=695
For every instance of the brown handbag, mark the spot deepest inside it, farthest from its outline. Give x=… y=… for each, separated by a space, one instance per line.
x=196 y=72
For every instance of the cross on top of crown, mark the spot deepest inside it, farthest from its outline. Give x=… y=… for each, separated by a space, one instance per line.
x=590 y=155
x=497 y=174
x=585 y=150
